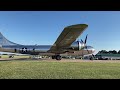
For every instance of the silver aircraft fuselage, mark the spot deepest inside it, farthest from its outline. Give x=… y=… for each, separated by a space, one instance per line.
x=43 y=50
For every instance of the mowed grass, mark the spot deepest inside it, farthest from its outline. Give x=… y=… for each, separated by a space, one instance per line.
x=42 y=69
x=15 y=56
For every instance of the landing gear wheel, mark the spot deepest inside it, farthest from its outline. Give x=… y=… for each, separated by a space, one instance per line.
x=58 y=57
x=53 y=57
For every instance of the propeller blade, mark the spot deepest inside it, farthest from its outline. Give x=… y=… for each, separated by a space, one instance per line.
x=86 y=39
x=82 y=41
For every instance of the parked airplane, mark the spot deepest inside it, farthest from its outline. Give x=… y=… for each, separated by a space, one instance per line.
x=65 y=44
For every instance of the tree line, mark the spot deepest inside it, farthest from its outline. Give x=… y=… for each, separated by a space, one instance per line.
x=109 y=52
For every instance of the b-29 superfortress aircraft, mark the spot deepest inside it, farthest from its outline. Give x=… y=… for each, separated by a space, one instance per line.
x=65 y=44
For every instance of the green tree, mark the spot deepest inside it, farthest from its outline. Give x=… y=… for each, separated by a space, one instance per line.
x=102 y=51
x=119 y=52
x=114 y=52
x=110 y=52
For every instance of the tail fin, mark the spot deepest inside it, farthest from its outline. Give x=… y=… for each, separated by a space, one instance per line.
x=4 y=41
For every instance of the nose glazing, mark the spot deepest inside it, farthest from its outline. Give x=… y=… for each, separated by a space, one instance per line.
x=90 y=48
x=93 y=50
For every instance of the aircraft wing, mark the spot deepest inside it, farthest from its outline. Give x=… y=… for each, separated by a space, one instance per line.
x=68 y=36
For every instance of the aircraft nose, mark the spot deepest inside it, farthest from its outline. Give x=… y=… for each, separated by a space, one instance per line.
x=90 y=48
x=93 y=50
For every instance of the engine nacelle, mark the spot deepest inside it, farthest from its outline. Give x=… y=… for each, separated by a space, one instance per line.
x=77 y=45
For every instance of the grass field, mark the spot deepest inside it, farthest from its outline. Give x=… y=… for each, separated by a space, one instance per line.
x=42 y=69
x=15 y=56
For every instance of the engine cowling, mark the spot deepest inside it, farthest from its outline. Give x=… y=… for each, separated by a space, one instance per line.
x=77 y=45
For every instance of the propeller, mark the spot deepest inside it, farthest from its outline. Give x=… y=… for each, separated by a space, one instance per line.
x=85 y=45
x=86 y=39
x=82 y=41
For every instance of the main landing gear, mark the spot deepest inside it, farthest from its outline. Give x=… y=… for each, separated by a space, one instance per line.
x=57 y=57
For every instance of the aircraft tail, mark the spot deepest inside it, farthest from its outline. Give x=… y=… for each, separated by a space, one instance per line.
x=4 y=41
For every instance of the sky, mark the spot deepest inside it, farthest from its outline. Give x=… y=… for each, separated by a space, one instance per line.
x=44 y=27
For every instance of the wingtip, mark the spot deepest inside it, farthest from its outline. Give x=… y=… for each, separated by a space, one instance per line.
x=77 y=26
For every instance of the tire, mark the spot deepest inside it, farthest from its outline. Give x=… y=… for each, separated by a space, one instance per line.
x=53 y=57
x=58 y=57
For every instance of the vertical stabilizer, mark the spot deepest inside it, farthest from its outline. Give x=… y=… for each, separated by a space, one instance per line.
x=4 y=41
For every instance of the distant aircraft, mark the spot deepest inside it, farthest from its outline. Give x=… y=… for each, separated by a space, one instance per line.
x=65 y=44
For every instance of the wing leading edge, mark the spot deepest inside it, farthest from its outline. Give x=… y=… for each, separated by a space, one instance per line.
x=68 y=36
